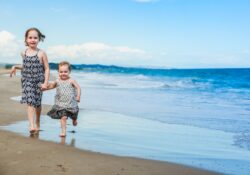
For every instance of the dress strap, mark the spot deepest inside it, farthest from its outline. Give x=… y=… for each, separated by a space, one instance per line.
x=37 y=51
x=25 y=53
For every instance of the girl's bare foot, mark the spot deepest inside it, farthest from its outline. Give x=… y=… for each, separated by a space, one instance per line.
x=62 y=135
x=74 y=122
x=32 y=130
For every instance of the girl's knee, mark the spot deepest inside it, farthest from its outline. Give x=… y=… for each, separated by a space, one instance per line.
x=64 y=118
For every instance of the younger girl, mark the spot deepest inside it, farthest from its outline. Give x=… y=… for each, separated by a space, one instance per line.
x=68 y=93
x=35 y=76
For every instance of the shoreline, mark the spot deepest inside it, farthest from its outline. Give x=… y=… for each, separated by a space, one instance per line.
x=22 y=155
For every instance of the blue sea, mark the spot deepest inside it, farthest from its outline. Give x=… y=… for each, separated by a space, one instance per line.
x=195 y=117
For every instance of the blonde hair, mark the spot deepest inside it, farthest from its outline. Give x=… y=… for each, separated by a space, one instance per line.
x=64 y=63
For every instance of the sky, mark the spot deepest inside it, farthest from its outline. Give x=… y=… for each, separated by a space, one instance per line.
x=150 y=33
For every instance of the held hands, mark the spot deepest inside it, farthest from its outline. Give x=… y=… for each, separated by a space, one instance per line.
x=13 y=71
x=44 y=86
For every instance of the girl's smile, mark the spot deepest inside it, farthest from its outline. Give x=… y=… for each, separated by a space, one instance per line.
x=64 y=72
x=32 y=39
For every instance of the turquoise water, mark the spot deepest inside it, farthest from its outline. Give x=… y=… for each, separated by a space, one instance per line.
x=194 y=117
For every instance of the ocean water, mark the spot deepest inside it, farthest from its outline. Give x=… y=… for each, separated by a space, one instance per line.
x=196 y=117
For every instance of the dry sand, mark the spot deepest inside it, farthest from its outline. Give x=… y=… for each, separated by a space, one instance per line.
x=28 y=156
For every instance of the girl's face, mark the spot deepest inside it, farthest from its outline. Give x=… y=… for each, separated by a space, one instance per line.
x=32 y=39
x=64 y=72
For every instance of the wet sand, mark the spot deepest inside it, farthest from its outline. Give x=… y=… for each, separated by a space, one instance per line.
x=21 y=155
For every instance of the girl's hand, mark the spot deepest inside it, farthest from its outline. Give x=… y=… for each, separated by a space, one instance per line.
x=13 y=71
x=44 y=86
x=78 y=99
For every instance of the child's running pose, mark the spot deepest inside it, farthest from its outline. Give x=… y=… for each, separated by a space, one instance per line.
x=68 y=93
x=35 y=76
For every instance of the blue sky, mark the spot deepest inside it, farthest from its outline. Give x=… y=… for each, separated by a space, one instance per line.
x=161 y=33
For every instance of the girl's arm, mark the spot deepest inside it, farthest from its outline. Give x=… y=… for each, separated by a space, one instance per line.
x=78 y=90
x=15 y=67
x=46 y=69
x=51 y=85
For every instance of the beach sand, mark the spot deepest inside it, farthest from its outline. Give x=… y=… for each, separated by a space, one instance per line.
x=25 y=156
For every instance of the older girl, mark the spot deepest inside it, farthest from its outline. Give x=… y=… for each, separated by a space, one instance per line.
x=35 y=76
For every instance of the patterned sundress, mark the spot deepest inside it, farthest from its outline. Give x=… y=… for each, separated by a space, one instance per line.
x=65 y=101
x=32 y=78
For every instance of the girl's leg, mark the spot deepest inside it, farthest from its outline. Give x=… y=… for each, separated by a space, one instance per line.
x=38 y=114
x=30 y=112
x=74 y=122
x=63 y=126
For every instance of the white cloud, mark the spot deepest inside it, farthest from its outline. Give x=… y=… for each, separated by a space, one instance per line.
x=95 y=52
x=9 y=45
